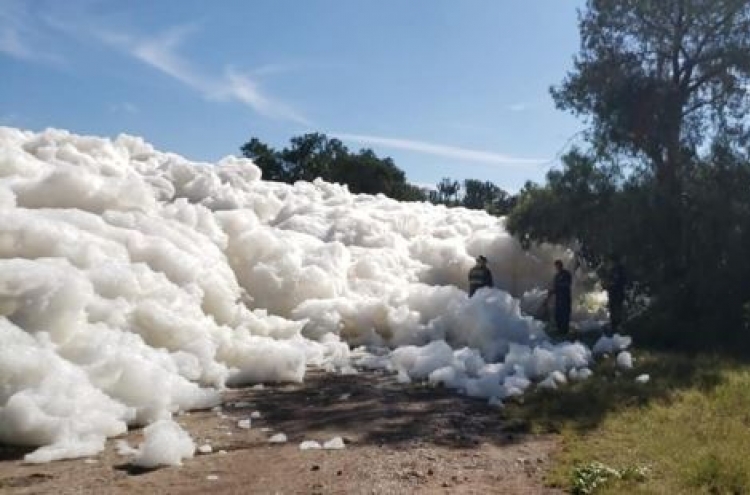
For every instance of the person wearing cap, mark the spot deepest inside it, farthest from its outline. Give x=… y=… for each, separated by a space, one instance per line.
x=479 y=276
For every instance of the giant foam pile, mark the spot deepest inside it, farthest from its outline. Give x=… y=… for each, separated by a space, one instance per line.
x=135 y=283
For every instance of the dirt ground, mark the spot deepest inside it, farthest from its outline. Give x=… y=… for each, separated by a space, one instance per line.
x=399 y=439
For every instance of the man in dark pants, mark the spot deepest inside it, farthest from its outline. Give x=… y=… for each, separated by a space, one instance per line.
x=479 y=276
x=614 y=284
x=561 y=290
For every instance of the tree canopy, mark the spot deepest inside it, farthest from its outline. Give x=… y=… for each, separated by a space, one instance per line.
x=665 y=179
x=316 y=155
x=658 y=78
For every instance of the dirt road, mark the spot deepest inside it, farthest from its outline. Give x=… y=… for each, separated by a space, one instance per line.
x=399 y=439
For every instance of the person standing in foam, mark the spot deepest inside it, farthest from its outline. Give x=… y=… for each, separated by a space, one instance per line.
x=561 y=290
x=479 y=276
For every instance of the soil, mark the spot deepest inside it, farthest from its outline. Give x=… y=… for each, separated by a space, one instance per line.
x=399 y=439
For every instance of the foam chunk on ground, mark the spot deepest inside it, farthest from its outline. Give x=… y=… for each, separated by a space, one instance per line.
x=625 y=360
x=278 y=438
x=166 y=443
x=310 y=445
x=335 y=443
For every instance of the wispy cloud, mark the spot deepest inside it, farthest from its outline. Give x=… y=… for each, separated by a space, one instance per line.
x=124 y=107
x=445 y=151
x=241 y=87
x=20 y=34
x=24 y=29
x=161 y=53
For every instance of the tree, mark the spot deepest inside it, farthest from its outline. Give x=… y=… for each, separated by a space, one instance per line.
x=477 y=194
x=267 y=159
x=573 y=208
x=664 y=87
x=448 y=190
x=316 y=155
x=659 y=78
x=486 y=196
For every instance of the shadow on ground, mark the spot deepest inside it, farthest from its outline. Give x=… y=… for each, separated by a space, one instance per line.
x=13 y=452
x=374 y=409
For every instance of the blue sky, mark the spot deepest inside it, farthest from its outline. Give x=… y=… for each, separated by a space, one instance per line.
x=446 y=88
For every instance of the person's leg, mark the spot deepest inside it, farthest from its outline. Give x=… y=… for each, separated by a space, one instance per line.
x=615 y=314
x=562 y=318
x=566 y=320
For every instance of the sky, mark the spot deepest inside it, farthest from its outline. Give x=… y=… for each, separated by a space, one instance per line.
x=447 y=88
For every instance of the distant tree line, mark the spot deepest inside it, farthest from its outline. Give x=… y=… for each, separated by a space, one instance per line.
x=316 y=155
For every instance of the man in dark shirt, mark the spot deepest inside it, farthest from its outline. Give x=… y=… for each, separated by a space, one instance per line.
x=561 y=290
x=479 y=276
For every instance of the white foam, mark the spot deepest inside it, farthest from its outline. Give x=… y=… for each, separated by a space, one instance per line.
x=278 y=438
x=625 y=360
x=335 y=443
x=166 y=443
x=609 y=345
x=135 y=284
x=310 y=445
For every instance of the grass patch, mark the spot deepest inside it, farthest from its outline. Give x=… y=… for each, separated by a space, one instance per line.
x=686 y=431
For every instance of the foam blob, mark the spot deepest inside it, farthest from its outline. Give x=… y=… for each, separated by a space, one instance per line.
x=625 y=360
x=166 y=443
x=613 y=344
x=278 y=438
x=310 y=445
x=336 y=443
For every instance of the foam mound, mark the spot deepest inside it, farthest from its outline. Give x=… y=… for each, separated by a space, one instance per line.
x=135 y=283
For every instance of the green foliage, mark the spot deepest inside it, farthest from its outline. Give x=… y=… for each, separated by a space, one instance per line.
x=715 y=475
x=447 y=191
x=650 y=75
x=572 y=208
x=591 y=477
x=659 y=82
x=691 y=431
x=315 y=155
x=486 y=196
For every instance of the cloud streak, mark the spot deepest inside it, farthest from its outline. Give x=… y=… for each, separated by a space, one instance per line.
x=161 y=53
x=22 y=30
x=441 y=150
x=19 y=38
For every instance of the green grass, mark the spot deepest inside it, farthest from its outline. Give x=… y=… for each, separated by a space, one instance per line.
x=687 y=430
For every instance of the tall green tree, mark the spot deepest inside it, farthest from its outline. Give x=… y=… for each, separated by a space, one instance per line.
x=657 y=78
x=663 y=86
